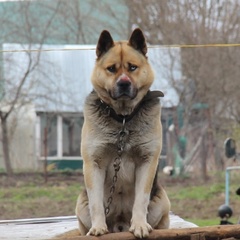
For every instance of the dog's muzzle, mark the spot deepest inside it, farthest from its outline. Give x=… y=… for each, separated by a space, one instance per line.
x=124 y=88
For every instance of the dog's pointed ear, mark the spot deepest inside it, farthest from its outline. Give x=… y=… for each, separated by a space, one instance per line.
x=105 y=42
x=137 y=41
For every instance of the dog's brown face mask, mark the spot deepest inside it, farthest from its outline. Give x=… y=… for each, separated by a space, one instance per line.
x=122 y=75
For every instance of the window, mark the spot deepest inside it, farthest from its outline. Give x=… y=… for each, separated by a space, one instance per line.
x=60 y=135
x=48 y=135
x=71 y=135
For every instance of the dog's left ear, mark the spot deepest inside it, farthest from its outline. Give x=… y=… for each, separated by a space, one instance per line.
x=137 y=41
x=105 y=42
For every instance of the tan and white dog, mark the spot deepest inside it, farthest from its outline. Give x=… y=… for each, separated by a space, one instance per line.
x=121 y=79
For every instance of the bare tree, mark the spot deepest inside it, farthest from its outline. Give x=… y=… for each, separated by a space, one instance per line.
x=15 y=93
x=210 y=76
x=79 y=22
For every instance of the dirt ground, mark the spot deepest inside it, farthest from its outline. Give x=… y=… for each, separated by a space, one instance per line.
x=58 y=196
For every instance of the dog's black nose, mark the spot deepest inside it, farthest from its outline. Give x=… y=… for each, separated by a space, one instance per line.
x=124 y=87
x=123 y=84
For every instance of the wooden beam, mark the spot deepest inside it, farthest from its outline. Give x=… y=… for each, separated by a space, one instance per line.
x=198 y=233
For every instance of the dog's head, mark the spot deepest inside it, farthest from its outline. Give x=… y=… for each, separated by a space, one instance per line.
x=122 y=75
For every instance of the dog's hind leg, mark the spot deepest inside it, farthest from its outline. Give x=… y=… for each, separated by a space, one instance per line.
x=158 y=210
x=164 y=222
x=83 y=230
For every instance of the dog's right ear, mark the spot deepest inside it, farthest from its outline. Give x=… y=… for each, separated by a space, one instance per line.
x=105 y=42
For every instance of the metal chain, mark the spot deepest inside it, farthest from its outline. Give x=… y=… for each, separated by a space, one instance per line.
x=116 y=165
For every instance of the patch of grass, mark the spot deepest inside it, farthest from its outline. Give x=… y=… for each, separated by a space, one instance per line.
x=27 y=193
x=28 y=197
x=204 y=222
x=2 y=170
x=210 y=222
x=199 y=201
x=198 y=192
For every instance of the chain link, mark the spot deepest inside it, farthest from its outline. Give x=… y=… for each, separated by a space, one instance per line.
x=116 y=165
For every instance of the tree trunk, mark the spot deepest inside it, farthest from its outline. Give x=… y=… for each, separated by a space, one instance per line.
x=203 y=156
x=223 y=232
x=45 y=142
x=5 y=147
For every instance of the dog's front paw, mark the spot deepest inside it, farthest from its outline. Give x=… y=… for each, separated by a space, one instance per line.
x=140 y=229
x=98 y=230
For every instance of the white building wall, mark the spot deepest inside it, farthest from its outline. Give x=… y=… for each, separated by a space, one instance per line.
x=21 y=128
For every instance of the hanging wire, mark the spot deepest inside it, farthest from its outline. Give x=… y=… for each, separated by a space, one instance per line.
x=150 y=46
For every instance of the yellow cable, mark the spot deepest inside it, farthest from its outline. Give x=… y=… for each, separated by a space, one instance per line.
x=150 y=46
x=196 y=45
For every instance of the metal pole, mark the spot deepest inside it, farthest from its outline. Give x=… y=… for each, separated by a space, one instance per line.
x=228 y=169
x=227 y=188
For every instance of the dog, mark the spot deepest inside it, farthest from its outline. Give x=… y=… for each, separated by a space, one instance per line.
x=121 y=143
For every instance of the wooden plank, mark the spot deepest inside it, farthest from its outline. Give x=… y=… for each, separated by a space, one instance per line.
x=200 y=233
x=36 y=229
x=66 y=228
x=39 y=220
x=49 y=228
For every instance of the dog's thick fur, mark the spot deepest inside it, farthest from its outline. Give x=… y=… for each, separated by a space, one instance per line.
x=121 y=78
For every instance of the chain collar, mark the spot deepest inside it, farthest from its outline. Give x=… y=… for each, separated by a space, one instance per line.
x=110 y=111
x=116 y=164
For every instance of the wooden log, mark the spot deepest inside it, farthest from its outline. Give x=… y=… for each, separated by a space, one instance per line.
x=199 y=233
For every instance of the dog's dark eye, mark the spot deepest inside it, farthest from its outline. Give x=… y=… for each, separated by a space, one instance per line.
x=131 y=67
x=111 y=69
